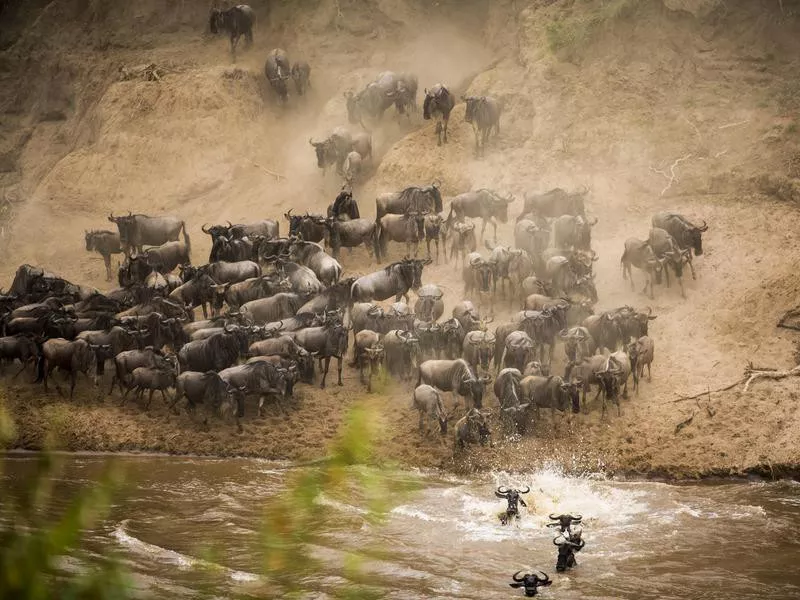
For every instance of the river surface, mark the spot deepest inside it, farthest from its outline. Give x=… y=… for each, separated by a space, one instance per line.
x=175 y=516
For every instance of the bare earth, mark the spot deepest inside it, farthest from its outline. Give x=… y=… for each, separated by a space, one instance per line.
x=610 y=99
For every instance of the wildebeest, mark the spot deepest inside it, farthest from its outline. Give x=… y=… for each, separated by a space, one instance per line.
x=508 y=392
x=574 y=310
x=302 y=279
x=551 y=392
x=125 y=362
x=665 y=247
x=208 y=389
x=679 y=227
x=105 y=243
x=169 y=255
x=639 y=254
x=212 y=354
x=351 y=169
x=286 y=347
x=485 y=204
x=268 y=228
x=472 y=428
x=462 y=241
x=198 y=291
x=427 y=400
x=429 y=305
x=237 y=21
x=136 y=231
x=353 y=233
x=231 y=272
x=367 y=352
x=438 y=104
x=454 y=376
x=530 y=582
x=334 y=149
x=266 y=310
x=237 y=294
x=587 y=372
x=325 y=342
x=573 y=232
x=433 y=232
x=643 y=350
x=421 y=200
x=564 y=281
x=578 y=343
x=327 y=269
x=278 y=71
x=74 y=357
x=483 y=113
x=146 y=378
x=556 y=202
x=406 y=228
x=531 y=237
x=517 y=349
x=232 y=249
x=401 y=351
x=395 y=280
x=388 y=88
x=21 y=347
x=258 y=378
x=344 y=206
x=108 y=343
x=301 y=74
x=614 y=377
x=478 y=276
x=479 y=349
x=307 y=227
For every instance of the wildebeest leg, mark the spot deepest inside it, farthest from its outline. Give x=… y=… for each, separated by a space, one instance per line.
x=338 y=368
x=494 y=224
x=149 y=398
x=107 y=263
x=22 y=368
x=325 y=371
x=683 y=291
x=438 y=132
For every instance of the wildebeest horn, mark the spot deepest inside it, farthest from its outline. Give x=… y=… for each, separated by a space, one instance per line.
x=515 y=578
x=310 y=141
x=553 y=517
x=584 y=190
x=502 y=489
x=527 y=489
x=703 y=227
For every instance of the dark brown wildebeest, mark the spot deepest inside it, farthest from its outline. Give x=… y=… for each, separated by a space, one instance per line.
x=367 y=353
x=429 y=306
x=515 y=350
x=168 y=256
x=136 y=231
x=478 y=276
x=215 y=353
x=325 y=342
x=278 y=71
x=75 y=357
x=665 y=247
x=485 y=204
x=401 y=351
x=208 y=389
x=679 y=227
x=125 y=362
x=395 y=280
x=421 y=200
x=640 y=254
x=266 y=310
x=20 y=347
x=439 y=102
x=641 y=353
x=433 y=232
x=105 y=243
x=237 y=21
x=551 y=392
x=237 y=294
x=307 y=227
x=564 y=281
x=146 y=378
x=301 y=74
x=268 y=228
x=479 y=349
x=198 y=291
x=578 y=343
x=285 y=347
x=344 y=206
x=507 y=390
x=483 y=113
x=556 y=202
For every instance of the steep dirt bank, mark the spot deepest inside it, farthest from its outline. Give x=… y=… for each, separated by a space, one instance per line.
x=710 y=84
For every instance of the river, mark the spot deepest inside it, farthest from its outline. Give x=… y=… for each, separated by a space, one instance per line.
x=175 y=516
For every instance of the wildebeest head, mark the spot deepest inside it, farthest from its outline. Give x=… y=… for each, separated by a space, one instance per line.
x=500 y=205
x=570 y=395
x=512 y=496
x=692 y=235
x=475 y=387
x=216 y=231
x=90 y=240
x=585 y=287
x=325 y=151
x=216 y=20
x=530 y=582
x=125 y=226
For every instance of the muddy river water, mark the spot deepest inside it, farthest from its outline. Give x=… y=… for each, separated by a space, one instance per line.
x=443 y=540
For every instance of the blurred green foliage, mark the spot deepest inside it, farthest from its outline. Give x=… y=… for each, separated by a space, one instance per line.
x=34 y=542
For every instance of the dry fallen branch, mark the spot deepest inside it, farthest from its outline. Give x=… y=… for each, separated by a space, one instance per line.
x=683 y=424
x=148 y=72
x=268 y=172
x=709 y=392
x=727 y=125
x=671 y=176
x=755 y=375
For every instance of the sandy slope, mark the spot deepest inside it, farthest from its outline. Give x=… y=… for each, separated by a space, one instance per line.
x=711 y=88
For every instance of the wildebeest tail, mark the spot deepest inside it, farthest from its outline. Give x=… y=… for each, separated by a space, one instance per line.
x=186 y=240
x=376 y=243
x=40 y=368
x=622 y=263
x=380 y=239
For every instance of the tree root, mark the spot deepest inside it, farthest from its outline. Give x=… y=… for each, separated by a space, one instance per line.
x=751 y=374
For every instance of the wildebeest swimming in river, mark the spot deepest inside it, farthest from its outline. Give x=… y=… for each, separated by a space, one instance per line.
x=438 y=104
x=237 y=21
x=278 y=72
x=483 y=112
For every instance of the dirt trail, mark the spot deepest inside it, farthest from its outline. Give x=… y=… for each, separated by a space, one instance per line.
x=712 y=88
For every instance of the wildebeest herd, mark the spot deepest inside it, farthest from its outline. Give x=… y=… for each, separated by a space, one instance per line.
x=273 y=307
